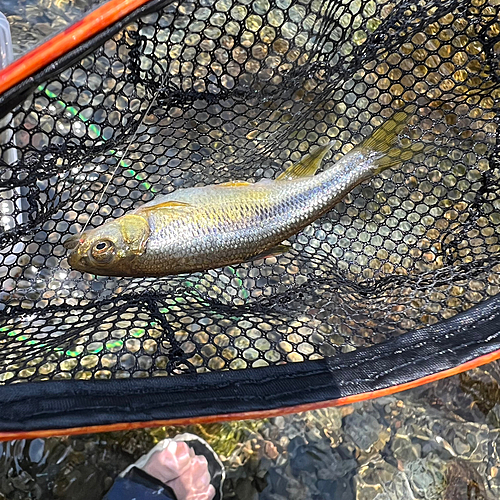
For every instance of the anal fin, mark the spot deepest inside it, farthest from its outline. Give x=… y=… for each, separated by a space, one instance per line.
x=277 y=250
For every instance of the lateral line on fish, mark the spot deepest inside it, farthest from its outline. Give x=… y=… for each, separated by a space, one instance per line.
x=124 y=154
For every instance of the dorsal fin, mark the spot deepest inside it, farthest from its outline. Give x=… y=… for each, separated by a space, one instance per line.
x=166 y=204
x=307 y=166
x=233 y=184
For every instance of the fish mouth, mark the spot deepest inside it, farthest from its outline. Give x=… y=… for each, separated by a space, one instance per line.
x=72 y=242
x=78 y=263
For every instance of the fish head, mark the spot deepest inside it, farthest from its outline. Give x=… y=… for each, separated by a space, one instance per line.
x=109 y=250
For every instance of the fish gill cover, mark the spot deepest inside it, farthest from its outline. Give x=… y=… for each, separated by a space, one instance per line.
x=202 y=92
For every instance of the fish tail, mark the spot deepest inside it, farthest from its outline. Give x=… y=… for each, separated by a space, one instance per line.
x=385 y=141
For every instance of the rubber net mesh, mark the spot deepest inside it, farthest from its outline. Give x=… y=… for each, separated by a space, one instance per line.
x=240 y=89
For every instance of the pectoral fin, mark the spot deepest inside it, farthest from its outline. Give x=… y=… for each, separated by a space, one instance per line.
x=135 y=232
x=277 y=250
x=307 y=166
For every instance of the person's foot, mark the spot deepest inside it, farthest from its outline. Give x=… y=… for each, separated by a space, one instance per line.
x=187 y=464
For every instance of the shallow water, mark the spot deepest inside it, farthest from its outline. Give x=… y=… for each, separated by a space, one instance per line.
x=33 y=21
x=437 y=442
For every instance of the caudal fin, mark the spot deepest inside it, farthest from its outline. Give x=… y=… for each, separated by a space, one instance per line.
x=385 y=140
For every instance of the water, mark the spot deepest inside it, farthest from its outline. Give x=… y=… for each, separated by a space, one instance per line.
x=33 y=21
x=437 y=442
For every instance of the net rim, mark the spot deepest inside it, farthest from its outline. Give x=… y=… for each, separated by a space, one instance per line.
x=55 y=54
x=468 y=340
x=51 y=408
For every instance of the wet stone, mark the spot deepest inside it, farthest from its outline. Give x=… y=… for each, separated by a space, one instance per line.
x=364 y=429
x=403 y=449
x=371 y=479
x=427 y=476
x=494 y=415
x=247 y=490
x=384 y=401
x=279 y=422
x=463 y=482
x=36 y=450
x=397 y=489
x=461 y=446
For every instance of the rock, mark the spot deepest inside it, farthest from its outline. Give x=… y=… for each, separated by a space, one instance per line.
x=246 y=490
x=464 y=482
x=494 y=416
x=427 y=476
x=279 y=422
x=370 y=479
x=403 y=449
x=363 y=428
x=461 y=446
x=384 y=401
x=277 y=482
x=36 y=450
x=270 y=450
x=22 y=482
x=397 y=489
x=300 y=488
x=328 y=418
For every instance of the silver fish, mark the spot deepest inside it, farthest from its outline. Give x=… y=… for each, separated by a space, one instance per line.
x=207 y=227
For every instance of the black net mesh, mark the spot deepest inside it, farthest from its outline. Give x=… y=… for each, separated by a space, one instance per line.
x=242 y=89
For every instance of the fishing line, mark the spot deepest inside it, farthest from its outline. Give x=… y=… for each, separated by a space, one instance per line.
x=125 y=153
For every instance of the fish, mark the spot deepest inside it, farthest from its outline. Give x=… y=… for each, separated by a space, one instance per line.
x=200 y=228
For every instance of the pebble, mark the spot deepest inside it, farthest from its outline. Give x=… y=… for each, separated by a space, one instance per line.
x=36 y=450
x=363 y=429
x=427 y=476
x=271 y=450
x=397 y=489
x=403 y=449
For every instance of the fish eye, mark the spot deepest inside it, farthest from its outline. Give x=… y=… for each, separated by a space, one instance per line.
x=103 y=251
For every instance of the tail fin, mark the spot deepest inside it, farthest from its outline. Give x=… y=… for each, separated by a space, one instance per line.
x=384 y=140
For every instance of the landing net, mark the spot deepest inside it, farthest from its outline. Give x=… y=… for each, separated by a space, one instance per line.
x=244 y=89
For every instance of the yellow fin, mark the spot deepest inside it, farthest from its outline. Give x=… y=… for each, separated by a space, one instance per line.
x=307 y=166
x=233 y=184
x=277 y=250
x=135 y=232
x=171 y=204
x=166 y=204
x=384 y=140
